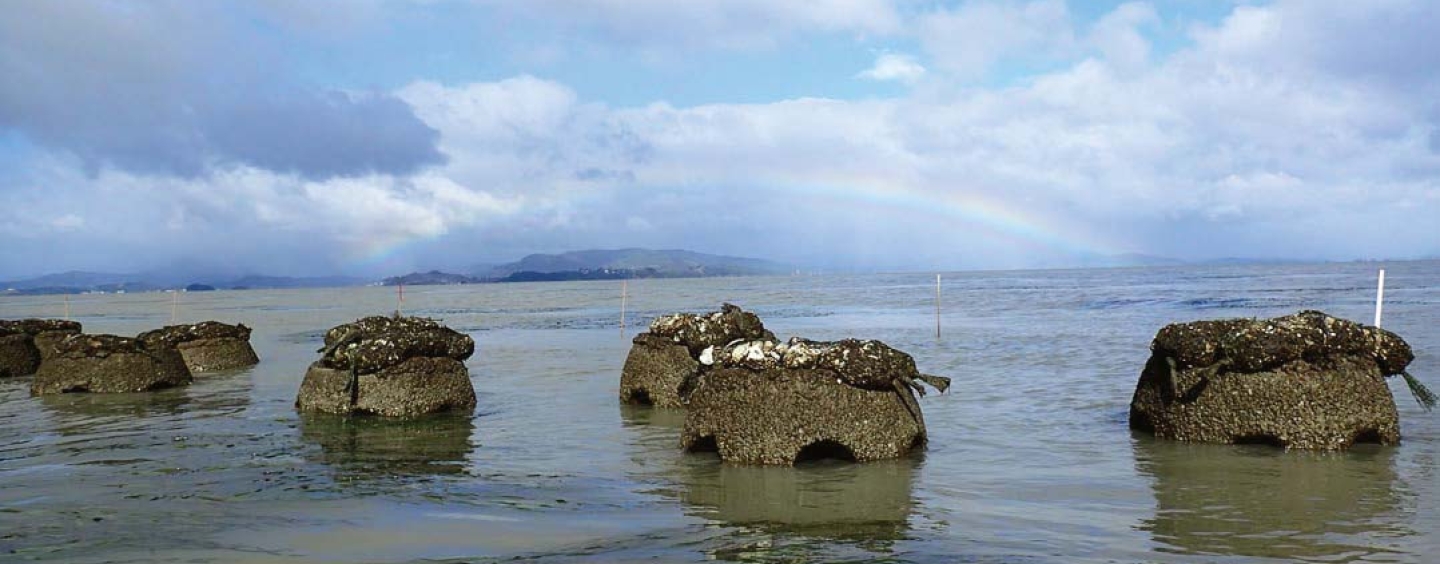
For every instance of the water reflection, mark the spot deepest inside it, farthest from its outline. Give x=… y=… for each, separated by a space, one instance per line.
x=76 y=412
x=1258 y=501
x=171 y=408
x=359 y=447
x=828 y=499
x=642 y=416
x=798 y=510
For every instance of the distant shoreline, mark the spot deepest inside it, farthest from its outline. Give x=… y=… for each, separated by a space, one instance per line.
x=611 y=274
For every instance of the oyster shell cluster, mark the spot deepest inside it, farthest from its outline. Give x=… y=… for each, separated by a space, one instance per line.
x=863 y=363
x=79 y=346
x=700 y=331
x=173 y=335
x=1258 y=345
x=374 y=343
x=34 y=327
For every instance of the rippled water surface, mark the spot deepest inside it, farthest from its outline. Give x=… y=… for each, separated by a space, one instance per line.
x=1030 y=457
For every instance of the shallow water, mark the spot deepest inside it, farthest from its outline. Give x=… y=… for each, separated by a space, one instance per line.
x=1030 y=458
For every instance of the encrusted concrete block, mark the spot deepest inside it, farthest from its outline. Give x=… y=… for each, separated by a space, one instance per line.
x=1308 y=381
x=391 y=366
x=657 y=372
x=24 y=343
x=18 y=355
x=108 y=364
x=206 y=346
x=664 y=362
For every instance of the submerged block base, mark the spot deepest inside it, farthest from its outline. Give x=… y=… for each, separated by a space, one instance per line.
x=115 y=372
x=209 y=355
x=780 y=416
x=414 y=387
x=1329 y=404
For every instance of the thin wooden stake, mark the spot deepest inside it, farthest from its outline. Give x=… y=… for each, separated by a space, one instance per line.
x=174 y=305
x=624 y=298
x=399 y=299
x=937 y=306
x=1380 y=297
x=67 y=307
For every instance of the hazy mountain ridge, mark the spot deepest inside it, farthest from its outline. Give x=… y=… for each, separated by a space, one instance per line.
x=664 y=263
x=431 y=278
x=594 y=264
x=79 y=282
x=602 y=264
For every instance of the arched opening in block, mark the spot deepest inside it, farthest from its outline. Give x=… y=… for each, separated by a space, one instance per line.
x=704 y=444
x=1140 y=421
x=641 y=397
x=825 y=449
x=1371 y=436
x=917 y=443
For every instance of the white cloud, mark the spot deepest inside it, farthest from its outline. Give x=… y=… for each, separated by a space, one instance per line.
x=894 y=66
x=966 y=41
x=67 y=222
x=1117 y=36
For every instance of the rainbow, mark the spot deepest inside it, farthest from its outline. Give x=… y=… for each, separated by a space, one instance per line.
x=961 y=208
x=887 y=201
x=376 y=250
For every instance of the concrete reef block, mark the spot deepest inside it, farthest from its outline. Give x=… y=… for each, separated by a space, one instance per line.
x=24 y=343
x=1306 y=381
x=417 y=386
x=390 y=366
x=779 y=416
x=665 y=361
x=18 y=355
x=206 y=346
x=657 y=372
x=108 y=364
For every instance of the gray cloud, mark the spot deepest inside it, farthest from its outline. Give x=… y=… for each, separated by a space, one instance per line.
x=325 y=134
x=1240 y=144
x=180 y=88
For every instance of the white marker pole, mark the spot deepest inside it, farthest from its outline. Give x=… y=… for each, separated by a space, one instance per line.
x=1380 y=297
x=937 y=306
x=67 y=307
x=624 y=297
x=174 y=304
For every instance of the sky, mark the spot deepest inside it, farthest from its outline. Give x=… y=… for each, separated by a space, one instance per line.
x=372 y=137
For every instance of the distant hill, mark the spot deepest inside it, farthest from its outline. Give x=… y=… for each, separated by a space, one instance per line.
x=1129 y=259
x=432 y=278
x=77 y=282
x=654 y=263
x=255 y=282
x=1234 y=261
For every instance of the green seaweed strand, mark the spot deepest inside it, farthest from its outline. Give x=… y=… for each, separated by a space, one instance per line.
x=1421 y=393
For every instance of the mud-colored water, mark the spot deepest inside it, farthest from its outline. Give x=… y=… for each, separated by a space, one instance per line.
x=1030 y=458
